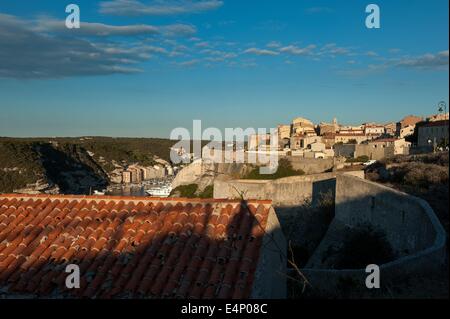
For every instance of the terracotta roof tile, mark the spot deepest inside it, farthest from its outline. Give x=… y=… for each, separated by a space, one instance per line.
x=130 y=246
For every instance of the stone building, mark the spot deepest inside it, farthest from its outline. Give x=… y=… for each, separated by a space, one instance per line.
x=328 y=128
x=347 y=138
x=390 y=128
x=433 y=133
x=302 y=126
x=284 y=135
x=126 y=177
x=409 y=120
x=374 y=129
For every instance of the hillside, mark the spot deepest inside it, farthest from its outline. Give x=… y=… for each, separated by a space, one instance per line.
x=72 y=165
x=425 y=176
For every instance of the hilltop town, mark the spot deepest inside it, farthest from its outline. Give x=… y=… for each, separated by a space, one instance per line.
x=367 y=140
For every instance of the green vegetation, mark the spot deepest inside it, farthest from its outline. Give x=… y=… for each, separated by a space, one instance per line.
x=187 y=191
x=192 y=191
x=19 y=165
x=208 y=192
x=284 y=170
x=359 y=159
x=26 y=160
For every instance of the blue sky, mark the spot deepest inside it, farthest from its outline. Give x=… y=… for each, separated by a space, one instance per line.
x=142 y=68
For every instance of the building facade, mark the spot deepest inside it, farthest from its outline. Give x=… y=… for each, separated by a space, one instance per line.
x=433 y=133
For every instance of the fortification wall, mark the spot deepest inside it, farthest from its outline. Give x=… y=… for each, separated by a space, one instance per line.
x=288 y=191
x=409 y=223
x=311 y=165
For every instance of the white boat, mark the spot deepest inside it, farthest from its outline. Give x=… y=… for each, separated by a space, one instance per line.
x=163 y=191
x=96 y=192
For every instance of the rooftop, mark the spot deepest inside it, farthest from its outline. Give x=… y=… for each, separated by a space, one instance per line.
x=130 y=246
x=385 y=140
x=433 y=123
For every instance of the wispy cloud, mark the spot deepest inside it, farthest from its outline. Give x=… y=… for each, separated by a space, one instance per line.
x=157 y=7
x=203 y=44
x=292 y=49
x=45 y=48
x=332 y=49
x=428 y=61
x=273 y=44
x=438 y=62
x=61 y=55
x=188 y=63
x=257 y=51
x=48 y=24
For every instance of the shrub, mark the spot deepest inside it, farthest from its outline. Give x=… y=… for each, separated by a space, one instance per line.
x=421 y=174
x=208 y=192
x=284 y=170
x=187 y=191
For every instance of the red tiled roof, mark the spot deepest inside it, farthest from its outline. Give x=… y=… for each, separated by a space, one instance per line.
x=130 y=246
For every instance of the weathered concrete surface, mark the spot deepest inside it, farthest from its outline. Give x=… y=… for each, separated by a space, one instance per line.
x=410 y=224
x=288 y=191
x=203 y=173
x=405 y=219
x=311 y=165
x=270 y=275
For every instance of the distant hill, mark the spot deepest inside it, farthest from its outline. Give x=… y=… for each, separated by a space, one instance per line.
x=73 y=165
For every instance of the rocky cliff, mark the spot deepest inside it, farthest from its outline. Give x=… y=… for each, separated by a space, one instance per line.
x=72 y=165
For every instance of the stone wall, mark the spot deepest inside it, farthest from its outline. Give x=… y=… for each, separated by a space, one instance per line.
x=356 y=150
x=288 y=191
x=409 y=223
x=270 y=274
x=311 y=165
x=374 y=153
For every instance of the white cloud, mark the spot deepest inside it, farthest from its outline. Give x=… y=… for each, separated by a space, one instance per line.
x=292 y=49
x=189 y=63
x=47 y=24
x=261 y=51
x=27 y=53
x=179 y=30
x=427 y=61
x=203 y=44
x=169 y=7
x=273 y=44
x=333 y=50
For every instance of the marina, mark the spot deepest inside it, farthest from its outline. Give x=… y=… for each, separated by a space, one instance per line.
x=154 y=187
